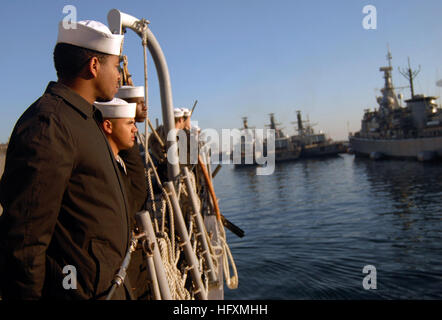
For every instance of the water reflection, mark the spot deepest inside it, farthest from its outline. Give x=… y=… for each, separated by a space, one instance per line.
x=409 y=184
x=313 y=225
x=246 y=177
x=408 y=195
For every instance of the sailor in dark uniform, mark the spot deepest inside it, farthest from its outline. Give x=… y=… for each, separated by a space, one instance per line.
x=137 y=190
x=188 y=160
x=64 y=199
x=158 y=152
x=132 y=157
x=134 y=94
x=119 y=126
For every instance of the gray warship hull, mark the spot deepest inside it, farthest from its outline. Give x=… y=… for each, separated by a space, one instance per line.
x=398 y=148
x=287 y=155
x=322 y=150
x=397 y=131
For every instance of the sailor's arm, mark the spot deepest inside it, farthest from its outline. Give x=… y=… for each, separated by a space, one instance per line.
x=38 y=167
x=158 y=152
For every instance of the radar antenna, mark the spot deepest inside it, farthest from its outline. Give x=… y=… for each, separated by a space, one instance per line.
x=410 y=75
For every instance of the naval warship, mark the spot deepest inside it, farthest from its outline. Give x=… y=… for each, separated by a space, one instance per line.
x=248 y=153
x=396 y=131
x=285 y=148
x=314 y=145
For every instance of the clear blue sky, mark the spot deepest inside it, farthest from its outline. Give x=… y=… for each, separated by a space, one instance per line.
x=242 y=57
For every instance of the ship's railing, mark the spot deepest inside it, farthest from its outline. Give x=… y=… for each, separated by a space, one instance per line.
x=169 y=234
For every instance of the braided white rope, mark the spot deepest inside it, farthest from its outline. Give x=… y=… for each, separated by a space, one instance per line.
x=231 y=282
x=173 y=274
x=170 y=251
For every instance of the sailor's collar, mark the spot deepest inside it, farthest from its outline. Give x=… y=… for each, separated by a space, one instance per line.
x=71 y=97
x=120 y=161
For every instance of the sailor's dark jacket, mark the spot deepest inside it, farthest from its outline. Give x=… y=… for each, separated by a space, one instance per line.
x=135 y=179
x=137 y=191
x=64 y=201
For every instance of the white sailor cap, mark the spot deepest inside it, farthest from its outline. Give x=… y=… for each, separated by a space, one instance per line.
x=92 y=35
x=186 y=112
x=116 y=108
x=126 y=92
x=178 y=113
x=195 y=129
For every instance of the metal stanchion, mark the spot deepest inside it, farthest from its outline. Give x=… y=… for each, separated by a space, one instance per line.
x=144 y=222
x=200 y=226
x=188 y=250
x=121 y=274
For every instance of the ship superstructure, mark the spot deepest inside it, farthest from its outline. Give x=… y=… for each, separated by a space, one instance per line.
x=285 y=148
x=248 y=154
x=313 y=144
x=393 y=130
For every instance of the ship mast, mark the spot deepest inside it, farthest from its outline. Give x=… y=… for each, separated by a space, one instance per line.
x=387 y=72
x=244 y=120
x=300 y=127
x=388 y=101
x=272 y=121
x=389 y=57
x=273 y=125
x=410 y=75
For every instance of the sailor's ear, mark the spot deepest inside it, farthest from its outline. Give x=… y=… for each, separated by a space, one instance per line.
x=107 y=126
x=93 y=66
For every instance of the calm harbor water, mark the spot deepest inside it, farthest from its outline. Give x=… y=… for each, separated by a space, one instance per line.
x=312 y=226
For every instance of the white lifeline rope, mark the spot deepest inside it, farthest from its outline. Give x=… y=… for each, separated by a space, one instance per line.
x=176 y=283
x=196 y=241
x=170 y=254
x=223 y=247
x=231 y=282
x=166 y=246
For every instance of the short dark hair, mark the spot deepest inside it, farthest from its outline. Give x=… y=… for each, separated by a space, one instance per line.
x=69 y=60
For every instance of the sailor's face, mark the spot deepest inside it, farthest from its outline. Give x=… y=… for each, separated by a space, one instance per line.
x=187 y=123
x=123 y=133
x=108 y=78
x=141 y=112
x=179 y=124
